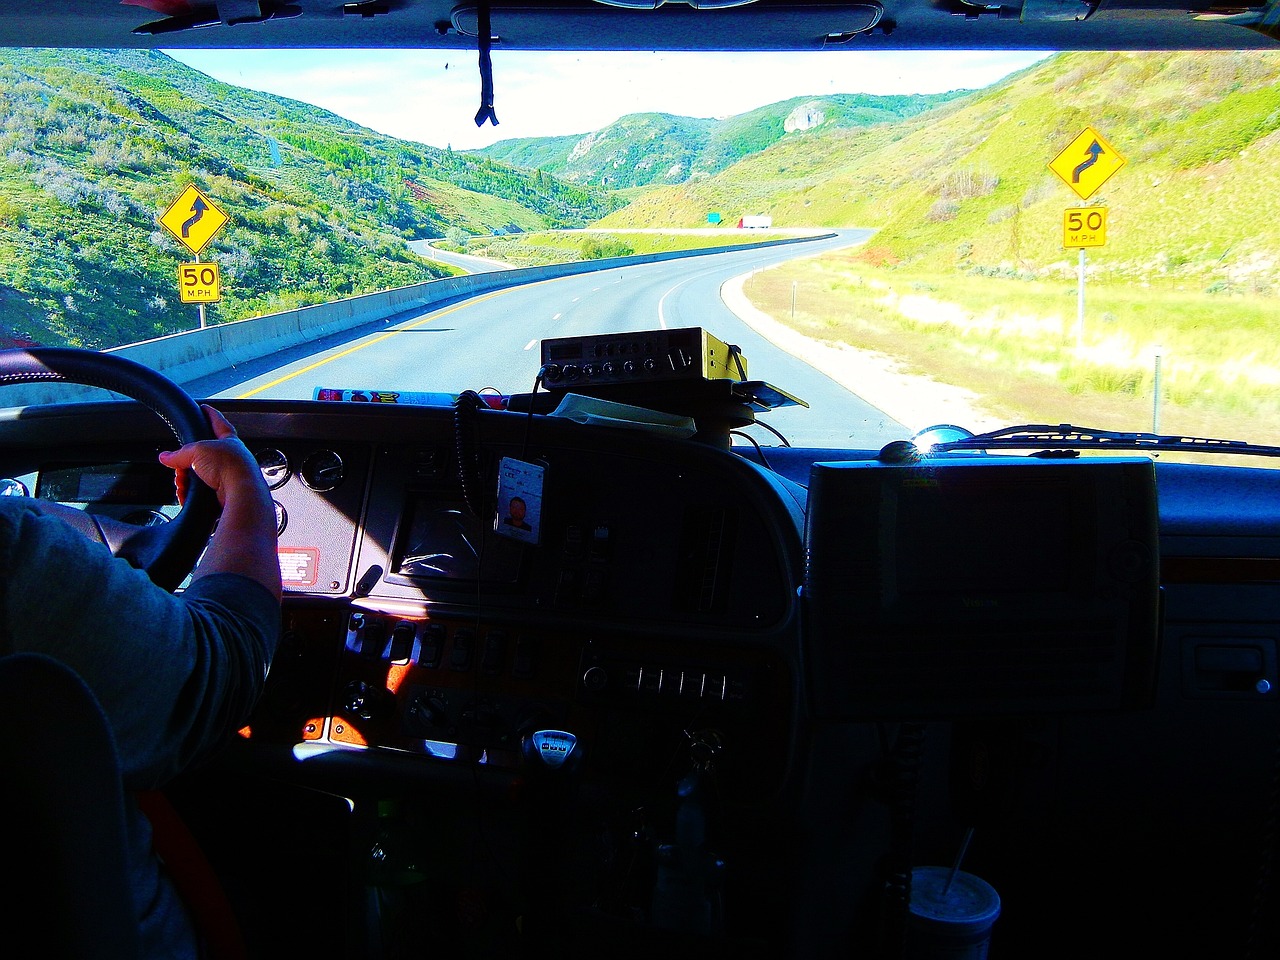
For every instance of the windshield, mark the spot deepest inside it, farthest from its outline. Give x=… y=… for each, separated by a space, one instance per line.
x=884 y=241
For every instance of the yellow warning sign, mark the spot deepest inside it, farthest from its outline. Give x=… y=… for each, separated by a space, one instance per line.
x=193 y=219
x=1087 y=163
x=199 y=283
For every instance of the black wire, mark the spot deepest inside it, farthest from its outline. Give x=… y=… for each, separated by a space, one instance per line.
x=759 y=449
x=464 y=440
x=528 y=421
x=785 y=441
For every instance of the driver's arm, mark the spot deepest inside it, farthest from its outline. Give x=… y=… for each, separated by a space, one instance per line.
x=244 y=541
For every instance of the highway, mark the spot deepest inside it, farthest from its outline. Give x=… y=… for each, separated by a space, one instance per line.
x=492 y=342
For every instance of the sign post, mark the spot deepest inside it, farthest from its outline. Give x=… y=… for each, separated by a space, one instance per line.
x=193 y=219
x=1085 y=165
x=1083 y=227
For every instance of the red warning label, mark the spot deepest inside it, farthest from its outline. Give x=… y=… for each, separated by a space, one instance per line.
x=299 y=566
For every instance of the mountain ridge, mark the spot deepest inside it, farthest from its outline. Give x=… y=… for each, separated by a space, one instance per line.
x=654 y=148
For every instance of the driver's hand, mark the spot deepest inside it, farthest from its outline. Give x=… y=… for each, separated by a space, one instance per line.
x=225 y=463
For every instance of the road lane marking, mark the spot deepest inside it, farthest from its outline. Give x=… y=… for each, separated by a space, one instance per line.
x=368 y=343
x=662 y=313
x=529 y=345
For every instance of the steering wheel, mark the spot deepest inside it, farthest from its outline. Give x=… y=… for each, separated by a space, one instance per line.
x=167 y=552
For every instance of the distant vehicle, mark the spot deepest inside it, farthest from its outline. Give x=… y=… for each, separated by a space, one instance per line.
x=755 y=223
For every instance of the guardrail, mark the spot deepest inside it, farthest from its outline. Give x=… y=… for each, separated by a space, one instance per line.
x=188 y=356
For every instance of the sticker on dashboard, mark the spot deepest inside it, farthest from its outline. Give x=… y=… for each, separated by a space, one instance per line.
x=299 y=566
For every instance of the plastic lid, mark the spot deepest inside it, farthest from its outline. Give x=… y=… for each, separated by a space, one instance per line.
x=970 y=904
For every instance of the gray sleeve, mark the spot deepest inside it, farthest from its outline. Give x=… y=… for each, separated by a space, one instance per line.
x=175 y=673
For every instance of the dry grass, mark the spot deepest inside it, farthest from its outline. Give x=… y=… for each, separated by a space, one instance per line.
x=1015 y=345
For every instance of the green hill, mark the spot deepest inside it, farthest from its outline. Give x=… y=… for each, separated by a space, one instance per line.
x=968 y=184
x=643 y=149
x=97 y=144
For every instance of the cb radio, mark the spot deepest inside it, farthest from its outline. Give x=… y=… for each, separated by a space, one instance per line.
x=685 y=353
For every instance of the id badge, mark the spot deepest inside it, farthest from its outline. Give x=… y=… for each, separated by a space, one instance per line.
x=519 y=513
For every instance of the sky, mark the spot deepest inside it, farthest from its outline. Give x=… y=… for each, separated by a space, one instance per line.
x=431 y=96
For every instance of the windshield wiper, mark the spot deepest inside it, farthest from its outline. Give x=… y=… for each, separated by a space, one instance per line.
x=1067 y=437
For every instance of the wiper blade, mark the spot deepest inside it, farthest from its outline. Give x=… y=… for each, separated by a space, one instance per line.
x=1065 y=436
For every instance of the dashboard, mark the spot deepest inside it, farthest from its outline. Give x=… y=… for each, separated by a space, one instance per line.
x=653 y=606
x=653 y=620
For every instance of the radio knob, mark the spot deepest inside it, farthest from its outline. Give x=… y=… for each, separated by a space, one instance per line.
x=608 y=368
x=649 y=365
x=595 y=679
x=571 y=372
x=427 y=714
x=628 y=366
x=361 y=700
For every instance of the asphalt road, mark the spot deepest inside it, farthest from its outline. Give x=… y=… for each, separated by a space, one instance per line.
x=493 y=342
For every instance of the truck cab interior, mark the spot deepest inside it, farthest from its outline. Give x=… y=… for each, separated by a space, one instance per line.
x=719 y=699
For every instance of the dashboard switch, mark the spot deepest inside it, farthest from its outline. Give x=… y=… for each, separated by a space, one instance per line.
x=691 y=684
x=652 y=679
x=495 y=651
x=374 y=639
x=402 y=641
x=463 y=642
x=433 y=637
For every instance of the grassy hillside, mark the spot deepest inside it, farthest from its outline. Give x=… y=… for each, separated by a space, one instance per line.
x=968 y=282
x=656 y=148
x=967 y=185
x=97 y=144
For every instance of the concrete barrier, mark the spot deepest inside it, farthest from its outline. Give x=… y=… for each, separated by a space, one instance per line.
x=186 y=357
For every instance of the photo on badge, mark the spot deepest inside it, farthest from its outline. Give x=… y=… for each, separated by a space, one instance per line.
x=519 y=512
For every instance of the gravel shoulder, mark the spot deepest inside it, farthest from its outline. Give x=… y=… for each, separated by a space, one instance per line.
x=912 y=400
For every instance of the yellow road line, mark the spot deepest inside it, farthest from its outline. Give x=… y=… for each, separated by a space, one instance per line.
x=368 y=343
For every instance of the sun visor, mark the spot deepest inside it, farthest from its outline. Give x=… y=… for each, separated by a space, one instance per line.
x=659 y=25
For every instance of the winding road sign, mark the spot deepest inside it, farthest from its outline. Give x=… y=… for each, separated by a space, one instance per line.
x=193 y=219
x=1087 y=163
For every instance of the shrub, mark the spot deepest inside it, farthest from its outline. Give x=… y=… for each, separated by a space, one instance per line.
x=1000 y=214
x=942 y=210
x=966 y=184
x=593 y=248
